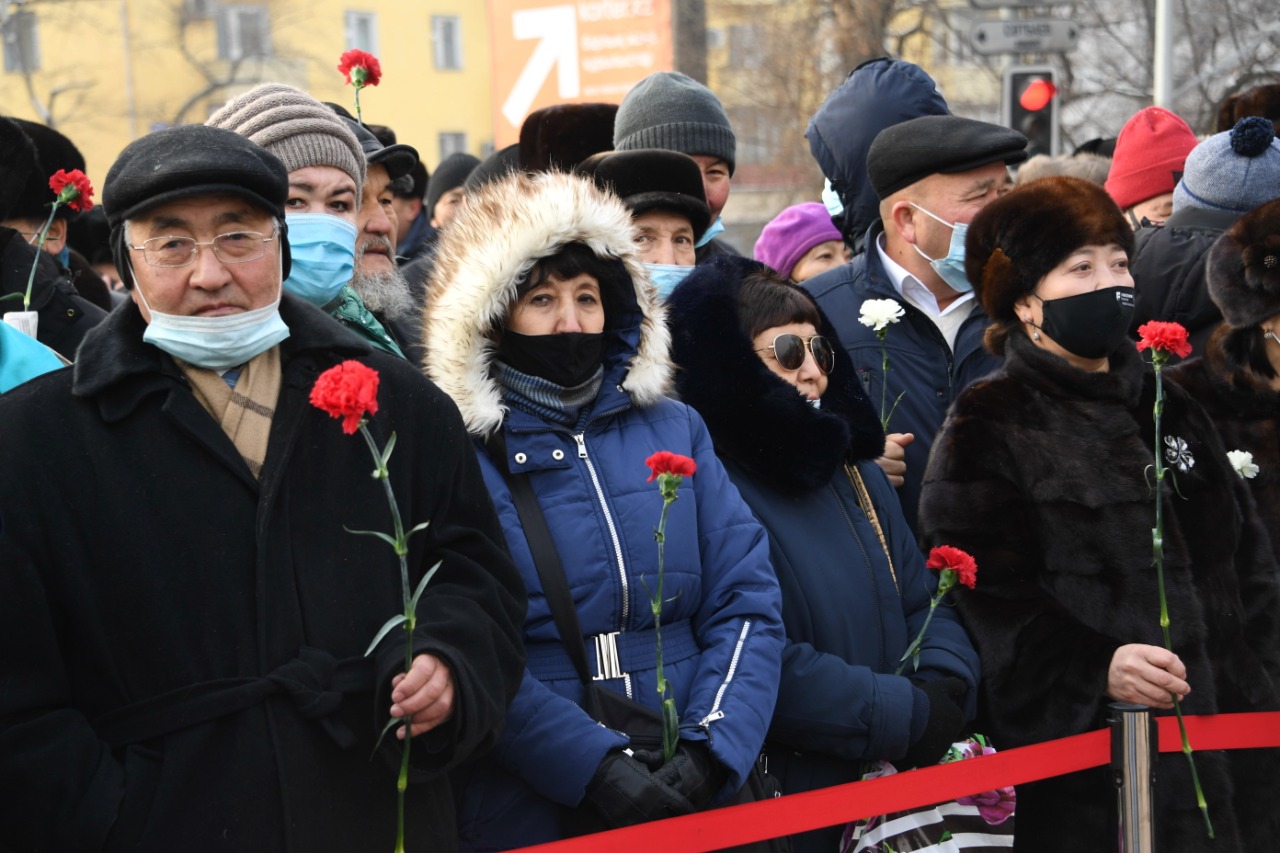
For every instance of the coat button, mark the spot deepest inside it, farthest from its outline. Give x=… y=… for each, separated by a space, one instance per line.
x=557 y=454
x=521 y=458
x=71 y=312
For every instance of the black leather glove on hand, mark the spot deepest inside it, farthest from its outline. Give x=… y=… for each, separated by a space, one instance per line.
x=945 y=724
x=623 y=792
x=693 y=772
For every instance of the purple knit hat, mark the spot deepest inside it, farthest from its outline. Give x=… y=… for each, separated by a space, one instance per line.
x=794 y=231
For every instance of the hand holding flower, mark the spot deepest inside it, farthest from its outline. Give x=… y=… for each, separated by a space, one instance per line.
x=424 y=694
x=1146 y=675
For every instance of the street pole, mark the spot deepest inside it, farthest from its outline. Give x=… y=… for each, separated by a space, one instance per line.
x=1162 y=72
x=1133 y=753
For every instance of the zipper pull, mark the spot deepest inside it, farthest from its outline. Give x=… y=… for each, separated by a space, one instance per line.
x=582 y=445
x=710 y=718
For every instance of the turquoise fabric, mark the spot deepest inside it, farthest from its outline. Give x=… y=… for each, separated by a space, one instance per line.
x=22 y=358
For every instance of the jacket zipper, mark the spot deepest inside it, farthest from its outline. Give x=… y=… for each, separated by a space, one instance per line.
x=581 y=440
x=716 y=713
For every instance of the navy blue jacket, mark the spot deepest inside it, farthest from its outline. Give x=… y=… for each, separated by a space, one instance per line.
x=849 y=612
x=922 y=368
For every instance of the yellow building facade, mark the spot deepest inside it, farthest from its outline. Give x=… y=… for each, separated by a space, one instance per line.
x=105 y=72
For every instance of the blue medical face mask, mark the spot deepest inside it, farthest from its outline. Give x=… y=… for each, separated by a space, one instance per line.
x=215 y=343
x=951 y=268
x=665 y=277
x=323 y=249
x=716 y=228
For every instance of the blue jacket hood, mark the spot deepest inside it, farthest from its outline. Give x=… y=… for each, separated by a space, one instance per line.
x=877 y=94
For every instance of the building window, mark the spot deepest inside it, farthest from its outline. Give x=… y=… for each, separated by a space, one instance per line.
x=452 y=143
x=446 y=42
x=21 y=48
x=243 y=31
x=362 y=31
x=745 y=46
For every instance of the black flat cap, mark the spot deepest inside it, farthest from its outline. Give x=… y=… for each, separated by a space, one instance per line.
x=191 y=160
x=452 y=173
x=932 y=145
x=398 y=159
x=653 y=179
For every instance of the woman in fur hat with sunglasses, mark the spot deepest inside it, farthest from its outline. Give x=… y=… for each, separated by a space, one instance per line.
x=799 y=438
x=1043 y=473
x=544 y=329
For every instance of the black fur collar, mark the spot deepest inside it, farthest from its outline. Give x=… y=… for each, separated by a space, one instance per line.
x=1054 y=375
x=756 y=419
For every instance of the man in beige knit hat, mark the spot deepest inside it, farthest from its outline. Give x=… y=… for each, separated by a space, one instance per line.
x=326 y=183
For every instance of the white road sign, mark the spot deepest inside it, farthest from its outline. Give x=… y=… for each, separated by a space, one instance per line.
x=1038 y=36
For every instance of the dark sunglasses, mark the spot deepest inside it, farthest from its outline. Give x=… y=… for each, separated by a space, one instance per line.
x=789 y=351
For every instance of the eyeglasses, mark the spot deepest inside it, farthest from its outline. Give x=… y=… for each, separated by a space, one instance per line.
x=234 y=247
x=789 y=351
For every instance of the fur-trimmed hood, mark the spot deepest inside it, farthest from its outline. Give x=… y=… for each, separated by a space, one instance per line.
x=755 y=417
x=487 y=252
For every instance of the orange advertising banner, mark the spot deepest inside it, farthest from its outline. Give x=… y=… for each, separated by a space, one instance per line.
x=547 y=52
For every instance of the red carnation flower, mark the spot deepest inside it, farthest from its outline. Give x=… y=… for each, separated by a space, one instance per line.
x=666 y=462
x=360 y=68
x=73 y=189
x=945 y=557
x=348 y=390
x=1164 y=337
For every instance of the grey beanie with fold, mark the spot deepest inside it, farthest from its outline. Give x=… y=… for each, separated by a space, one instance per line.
x=295 y=127
x=670 y=110
x=1235 y=171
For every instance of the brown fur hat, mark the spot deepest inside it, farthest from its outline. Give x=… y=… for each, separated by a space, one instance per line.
x=563 y=135
x=1244 y=268
x=1016 y=240
x=1261 y=100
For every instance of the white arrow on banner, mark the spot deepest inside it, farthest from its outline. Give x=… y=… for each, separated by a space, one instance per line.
x=557 y=26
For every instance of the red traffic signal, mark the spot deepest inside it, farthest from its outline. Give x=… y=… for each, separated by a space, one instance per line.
x=1037 y=94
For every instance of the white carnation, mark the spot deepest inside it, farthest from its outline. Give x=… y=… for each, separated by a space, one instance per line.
x=879 y=313
x=1242 y=461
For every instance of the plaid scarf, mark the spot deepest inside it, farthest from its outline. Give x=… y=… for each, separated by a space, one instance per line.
x=245 y=411
x=545 y=399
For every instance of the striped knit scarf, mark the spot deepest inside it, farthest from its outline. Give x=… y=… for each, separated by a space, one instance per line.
x=243 y=412
x=545 y=399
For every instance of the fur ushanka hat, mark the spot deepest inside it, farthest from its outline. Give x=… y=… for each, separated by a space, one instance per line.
x=1016 y=240
x=1244 y=268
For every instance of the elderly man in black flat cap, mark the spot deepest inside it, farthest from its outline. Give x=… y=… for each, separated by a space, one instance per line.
x=184 y=614
x=932 y=175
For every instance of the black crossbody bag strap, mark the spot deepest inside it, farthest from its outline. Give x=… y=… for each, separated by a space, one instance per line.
x=555 y=585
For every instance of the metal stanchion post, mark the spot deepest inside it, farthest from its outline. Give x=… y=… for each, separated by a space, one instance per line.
x=1133 y=754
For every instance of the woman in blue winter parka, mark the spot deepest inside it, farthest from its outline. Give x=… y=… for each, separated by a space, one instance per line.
x=541 y=325
x=799 y=438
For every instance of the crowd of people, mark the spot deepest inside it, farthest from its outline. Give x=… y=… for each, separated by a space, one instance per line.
x=183 y=674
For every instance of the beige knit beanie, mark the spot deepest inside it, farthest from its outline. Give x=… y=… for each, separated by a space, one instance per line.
x=295 y=127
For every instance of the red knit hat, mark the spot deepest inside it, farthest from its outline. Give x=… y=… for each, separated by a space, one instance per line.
x=1150 y=153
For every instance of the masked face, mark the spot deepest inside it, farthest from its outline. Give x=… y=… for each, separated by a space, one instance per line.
x=949 y=268
x=1082 y=308
x=323 y=249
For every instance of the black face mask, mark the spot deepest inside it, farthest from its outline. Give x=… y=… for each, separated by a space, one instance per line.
x=568 y=359
x=1090 y=325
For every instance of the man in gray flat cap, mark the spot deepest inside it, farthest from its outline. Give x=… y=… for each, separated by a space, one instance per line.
x=932 y=175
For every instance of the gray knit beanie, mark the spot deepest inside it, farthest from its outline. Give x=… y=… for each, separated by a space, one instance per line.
x=670 y=110
x=295 y=127
x=1235 y=170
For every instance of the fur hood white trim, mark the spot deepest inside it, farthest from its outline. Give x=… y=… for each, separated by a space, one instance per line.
x=488 y=250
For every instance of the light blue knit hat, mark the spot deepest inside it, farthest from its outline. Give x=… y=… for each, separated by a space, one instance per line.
x=1235 y=170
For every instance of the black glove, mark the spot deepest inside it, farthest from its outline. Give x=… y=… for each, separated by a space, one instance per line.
x=623 y=792
x=945 y=724
x=693 y=772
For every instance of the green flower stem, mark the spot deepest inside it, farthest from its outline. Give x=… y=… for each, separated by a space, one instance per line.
x=1158 y=359
x=402 y=552
x=359 y=115
x=669 y=718
x=31 y=278
x=884 y=377
x=945 y=583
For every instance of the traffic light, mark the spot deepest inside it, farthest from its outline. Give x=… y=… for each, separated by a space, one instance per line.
x=1030 y=106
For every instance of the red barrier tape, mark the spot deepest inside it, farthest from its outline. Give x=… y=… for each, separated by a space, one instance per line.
x=788 y=815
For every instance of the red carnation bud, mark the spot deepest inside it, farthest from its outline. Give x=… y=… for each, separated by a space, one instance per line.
x=348 y=390
x=360 y=68
x=73 y=189
x=666 y=462
x=945 y=557
x=1164 y=337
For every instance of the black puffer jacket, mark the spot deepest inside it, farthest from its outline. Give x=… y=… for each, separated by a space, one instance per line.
x=65 y=316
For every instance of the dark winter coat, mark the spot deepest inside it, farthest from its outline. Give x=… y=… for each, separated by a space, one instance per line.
x=722 y=626
x=1246 y=411
x=1042 y=473
x=65 y=316
x=877 y=94
x=144 y=565
x=922 y=368
x=849 y=612
x=1168 y=269
x=714 y=248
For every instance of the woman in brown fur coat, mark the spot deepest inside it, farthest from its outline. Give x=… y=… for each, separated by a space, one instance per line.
x=1238 y=379
x=1042 y=473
